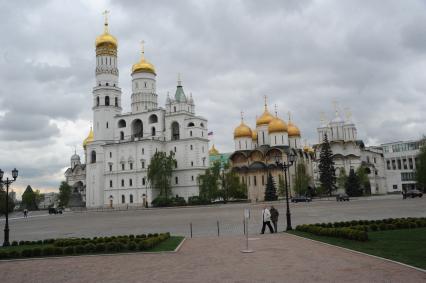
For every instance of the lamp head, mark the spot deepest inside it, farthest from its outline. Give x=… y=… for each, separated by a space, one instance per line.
x=14 y=174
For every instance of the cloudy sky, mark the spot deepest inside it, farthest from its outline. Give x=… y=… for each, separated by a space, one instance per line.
x=366 y=55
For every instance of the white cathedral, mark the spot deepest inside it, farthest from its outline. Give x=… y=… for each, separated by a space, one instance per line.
x=119 y=148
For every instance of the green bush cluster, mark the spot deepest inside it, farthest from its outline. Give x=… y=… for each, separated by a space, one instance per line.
x=85 y=245
x=357 y=229
x=197 y=200
x=345 y=233
x=162 y=201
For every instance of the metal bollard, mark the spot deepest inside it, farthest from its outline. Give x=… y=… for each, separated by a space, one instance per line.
x=190 y=227
x=244 y=226
x=218 y=228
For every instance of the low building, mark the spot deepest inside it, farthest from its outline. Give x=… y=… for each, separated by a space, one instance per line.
x=49 y=199
x=400 y=159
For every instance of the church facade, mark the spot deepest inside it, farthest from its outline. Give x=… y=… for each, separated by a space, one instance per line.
x=256 y=151
x=349 y=152
x=120 y=145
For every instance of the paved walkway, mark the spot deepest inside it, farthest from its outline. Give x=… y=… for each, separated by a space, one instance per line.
x=277 y=258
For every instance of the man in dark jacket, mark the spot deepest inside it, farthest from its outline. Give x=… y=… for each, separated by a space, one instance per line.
x=274 y=217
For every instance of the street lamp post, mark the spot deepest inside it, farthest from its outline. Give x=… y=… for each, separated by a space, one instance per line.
x=7 y=182
x=285 y=166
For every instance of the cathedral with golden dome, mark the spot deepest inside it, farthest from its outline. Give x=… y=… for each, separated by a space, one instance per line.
x=256 y=150
x=119 y=147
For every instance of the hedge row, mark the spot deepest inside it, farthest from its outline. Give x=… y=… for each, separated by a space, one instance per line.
x=400 y=222
x=135 y=244
x=345 y=233
x=357 y=229
x=97 y=240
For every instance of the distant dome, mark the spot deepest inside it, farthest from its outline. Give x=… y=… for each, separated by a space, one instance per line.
x=242 y=131
x=213 y=151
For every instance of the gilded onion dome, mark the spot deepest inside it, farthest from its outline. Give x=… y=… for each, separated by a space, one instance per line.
x=213 y=151
x=277 y=126
x=293 y=130
x=242 y=131
x=89 y=138
x=306 y=148
x=254 y=135
x=106 y=44
x=143 y=66
x=265 y=118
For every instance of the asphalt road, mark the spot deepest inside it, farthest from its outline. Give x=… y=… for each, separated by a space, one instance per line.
x=204 y=219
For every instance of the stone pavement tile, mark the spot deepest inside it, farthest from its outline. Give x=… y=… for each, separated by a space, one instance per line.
x=277 y=258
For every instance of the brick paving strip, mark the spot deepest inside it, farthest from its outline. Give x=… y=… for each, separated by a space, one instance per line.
x=277 y=258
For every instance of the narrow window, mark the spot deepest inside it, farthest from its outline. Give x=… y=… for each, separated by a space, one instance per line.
x=143 y=150
x=122 y=166
x=107 y=125
x=97 y=101
x=116 y=101
x=106 y=100
x=110 y=167
x=123 y=199
x=190 y=146
x=110 y=154
x=131 y=198
x=192 y=163
x=192 y=178
x=122 y=182
x=131 y=166
x=254 y=181
x=130 y=182
x=190 y=133
x=176 y=180
x=143 y=164
x=121 y=135
x=110 y=183
x=143 y=181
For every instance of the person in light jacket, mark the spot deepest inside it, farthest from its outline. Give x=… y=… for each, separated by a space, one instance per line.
x=266 y=219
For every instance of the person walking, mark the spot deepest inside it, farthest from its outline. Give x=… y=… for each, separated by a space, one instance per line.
x=266 y=219
x=274 y=217
x=25 y=213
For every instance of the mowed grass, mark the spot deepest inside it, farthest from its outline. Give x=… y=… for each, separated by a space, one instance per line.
x=168 y=245
x=406 y=245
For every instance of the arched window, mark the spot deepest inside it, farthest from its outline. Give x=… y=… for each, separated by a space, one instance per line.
x=131 y=198
x=106 y=100
x=121 y=135
x=122 y=182
x=93 y=156
x=130 y=182
x=153 y=131
x=153 y=119
x=137 y=128
x=175 y=131
x=116 y=101
x=97 y=100
x=107 y=84
x=201 y=125
x=123 y=199
x=122 y=123
x=190 y=124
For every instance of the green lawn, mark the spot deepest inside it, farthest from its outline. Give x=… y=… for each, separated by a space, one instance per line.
x=168 y=245
x=406 y=246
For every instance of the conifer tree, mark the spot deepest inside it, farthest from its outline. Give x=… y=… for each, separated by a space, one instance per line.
x=270 y=190
x=326 y=167
x=353 y=186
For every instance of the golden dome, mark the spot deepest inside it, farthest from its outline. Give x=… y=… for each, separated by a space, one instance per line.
x=306 y=148
x=293 y=130
x=277 y=126
x=213 y=151
x=254 y=135
x=242 y=131
x=311 y=150
x=106 y=39
x=265 y=119
x=143 y=66
x=89 y=138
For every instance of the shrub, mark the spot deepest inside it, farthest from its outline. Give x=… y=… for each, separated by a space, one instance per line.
x=111 y=247
x=21 y=243
x=4 y=254
x=69 y=250
x=49 y=250
x=89 y=248
x=100 y=247
x=162 y=201
x=131 y=246
x=14 y=243
x=27 y=252
x=39 y=242
x=58 y=251
x=79 y=249
x=374 y=227
x=13 y=254
x=382 y=226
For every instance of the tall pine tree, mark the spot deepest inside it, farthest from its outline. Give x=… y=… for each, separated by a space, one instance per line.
x=353 y=186
x=270 y=190
x=326 y=167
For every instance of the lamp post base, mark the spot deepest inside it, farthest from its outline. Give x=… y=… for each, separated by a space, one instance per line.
x=6 y=238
